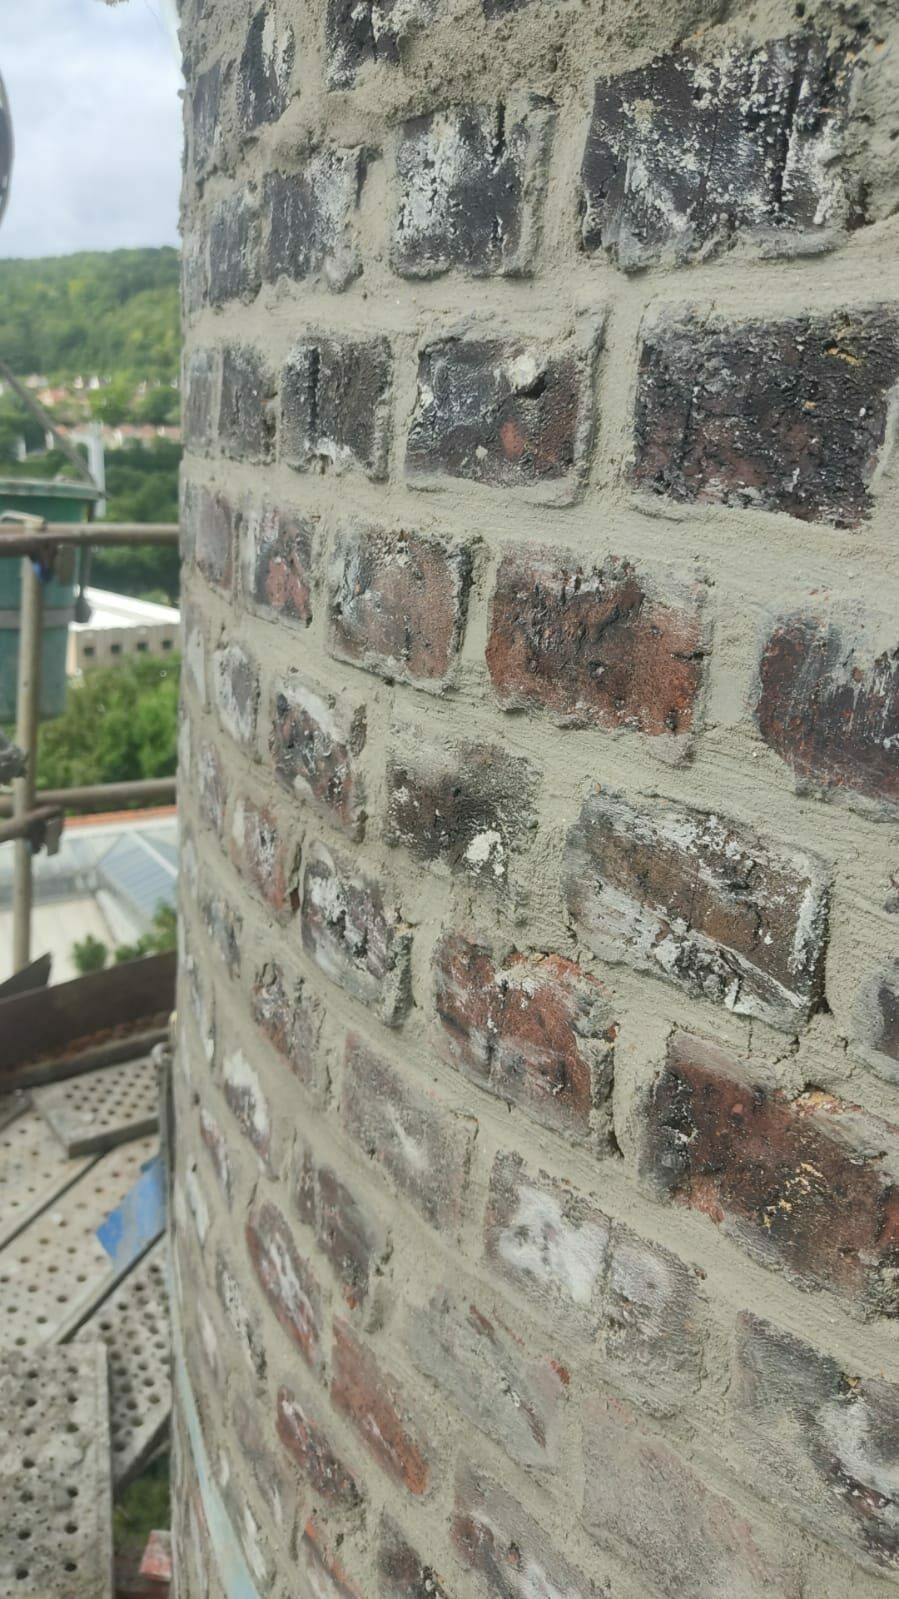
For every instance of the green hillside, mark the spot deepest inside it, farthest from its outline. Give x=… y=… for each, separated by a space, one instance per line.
x=114 y=312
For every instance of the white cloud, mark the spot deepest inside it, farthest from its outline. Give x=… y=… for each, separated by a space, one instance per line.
x=94 y=95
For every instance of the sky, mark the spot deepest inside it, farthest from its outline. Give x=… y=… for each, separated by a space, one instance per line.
x=94 y=95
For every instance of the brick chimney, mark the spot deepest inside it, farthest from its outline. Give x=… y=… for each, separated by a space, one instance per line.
x=536 y=1221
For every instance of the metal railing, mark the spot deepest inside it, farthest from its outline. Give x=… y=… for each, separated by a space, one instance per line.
x=38 y=819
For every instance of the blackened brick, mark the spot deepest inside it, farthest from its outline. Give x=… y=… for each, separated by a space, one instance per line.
x=201 y=400
x=264 y=855
x=403 y=1572
x=290 y=1018
x=473 y=1358
x=370 y=1400
x=278 y=553
x=215 y=530
x=354 y=939
x=825 y=1441
x=702 y=903
x=206 y=117
x=263 y=80
x=286 y=1278
x=508 y=413
x=314 y=744
x=594 y=646
x=467 y=805
x=470 y=187
x=398 y=603
x=687 y=155
x=335 y=406
x=308 y=1446
x=830 y=710
x=423 y=1146
x=236 y=692
x=534 y=1030
x=212 y=787
x=774 y=416
x=224 y=926
x=359 y=35
x=234 y=235
x=246 y=415
x=311 y=219
x=807 y=1184
x=247 y=1099
x=345 y=1230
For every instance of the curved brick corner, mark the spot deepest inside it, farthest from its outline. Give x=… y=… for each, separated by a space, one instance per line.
x=535 y=1213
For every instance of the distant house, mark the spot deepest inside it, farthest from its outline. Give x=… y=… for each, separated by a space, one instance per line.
x=120 y=627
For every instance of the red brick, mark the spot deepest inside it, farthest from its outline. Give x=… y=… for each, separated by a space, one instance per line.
x=831 y=711
x=290 y=1017
x=398 y=603
x=247 y=1099
x=368 y=1397
x=355 y=939
x=783 y=416
x=592 y=645
x=824 y=1441
x=500 y=1540
x=314 y=744
x=324 y=1570
x=278 y=554
x=534 y=1030
x=424 y=1147
x=701 y=902
x=643 y=1501
x=286 y=1278
x=804 y=1183
x=307 y=1445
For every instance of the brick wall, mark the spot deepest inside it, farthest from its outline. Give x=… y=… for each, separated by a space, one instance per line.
x=536 y=1223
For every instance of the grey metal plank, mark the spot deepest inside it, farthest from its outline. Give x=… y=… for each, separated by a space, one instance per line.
x=34 y=1170
x=103 y=1108
x=55 y=1498
x=134 y=1325
x=12 y=1105
x=55 y=1270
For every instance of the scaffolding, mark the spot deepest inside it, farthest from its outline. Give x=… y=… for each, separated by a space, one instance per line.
x=37 y=819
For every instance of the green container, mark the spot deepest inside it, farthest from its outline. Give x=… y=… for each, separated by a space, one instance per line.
x=56 y=502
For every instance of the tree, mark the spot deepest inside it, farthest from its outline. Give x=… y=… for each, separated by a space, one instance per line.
x=161 y=937
x=89 y=954
x=119 y=725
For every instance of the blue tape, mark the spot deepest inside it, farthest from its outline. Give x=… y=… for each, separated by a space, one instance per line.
x=139 y=1220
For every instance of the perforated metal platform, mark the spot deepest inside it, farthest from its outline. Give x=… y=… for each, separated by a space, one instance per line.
x=101 y=1109
x=55 y=1270
x=33 y=1170
x=55 y=1501
x=11 y=1106
x=134 y=1325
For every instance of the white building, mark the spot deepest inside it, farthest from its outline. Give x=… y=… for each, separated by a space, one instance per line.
x=120 y=626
